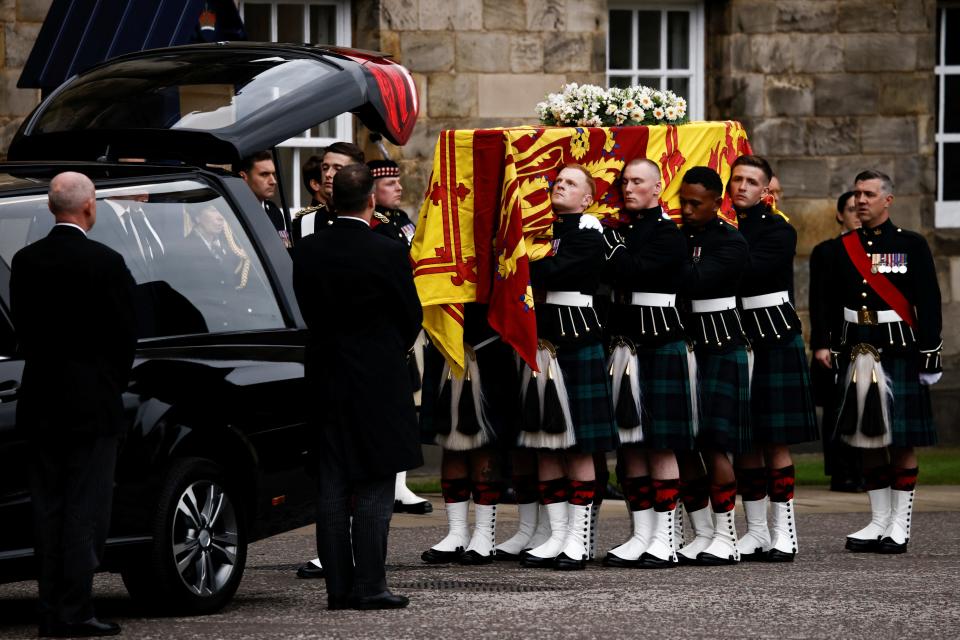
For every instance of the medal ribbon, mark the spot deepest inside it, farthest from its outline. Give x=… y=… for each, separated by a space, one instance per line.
x=878 y=282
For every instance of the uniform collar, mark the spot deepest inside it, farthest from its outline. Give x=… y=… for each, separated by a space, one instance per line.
x=643 y=214
x=881 y=229
x=759 y=210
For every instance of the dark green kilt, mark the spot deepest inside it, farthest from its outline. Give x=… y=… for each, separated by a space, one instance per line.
x=781 y=402
x=724 y=400
x=588 y=387
x=500 y=384
x=665 y=397
x=911 y=416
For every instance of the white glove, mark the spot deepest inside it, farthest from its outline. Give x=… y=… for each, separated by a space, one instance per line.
x=930 y=379
x=590 y=222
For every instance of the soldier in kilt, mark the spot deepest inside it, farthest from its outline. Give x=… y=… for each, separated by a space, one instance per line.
x=781 y=401
x=717 y=257
x=649 y=365
x=566 y=409
x=889 y=355
x=474 y=418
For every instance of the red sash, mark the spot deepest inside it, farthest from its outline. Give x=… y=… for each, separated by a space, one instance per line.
x=877 y=281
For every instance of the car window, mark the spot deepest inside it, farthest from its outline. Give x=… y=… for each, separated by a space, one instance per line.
x=195 y=268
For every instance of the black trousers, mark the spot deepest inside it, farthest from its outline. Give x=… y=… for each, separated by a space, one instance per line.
x=72 y=493
x=353 y=554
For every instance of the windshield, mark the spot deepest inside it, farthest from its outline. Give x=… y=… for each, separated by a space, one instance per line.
x=195 y=91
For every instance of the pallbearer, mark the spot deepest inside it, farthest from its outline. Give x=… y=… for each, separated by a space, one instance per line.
x=717 y=257
x=567 y=414
x=649 y=364
x=889 y=355
x=781 y=402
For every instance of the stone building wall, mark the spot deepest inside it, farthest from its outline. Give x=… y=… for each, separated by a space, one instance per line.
x=20 y=22
x=481 y=63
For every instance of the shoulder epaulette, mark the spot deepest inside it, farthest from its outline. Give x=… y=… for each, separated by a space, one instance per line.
x=306 y=210
x=379 y=216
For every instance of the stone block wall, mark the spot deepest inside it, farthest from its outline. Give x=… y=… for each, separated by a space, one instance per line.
x=480 y=63
x=20 y=22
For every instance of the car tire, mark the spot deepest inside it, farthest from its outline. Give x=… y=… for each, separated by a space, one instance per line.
x=199 y=546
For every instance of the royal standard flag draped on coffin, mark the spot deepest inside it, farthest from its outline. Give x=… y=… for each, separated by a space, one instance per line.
x=487 y=212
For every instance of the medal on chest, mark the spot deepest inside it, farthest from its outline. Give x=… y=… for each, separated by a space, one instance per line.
x=696 y=254
x=407 y=231
x=888 y=263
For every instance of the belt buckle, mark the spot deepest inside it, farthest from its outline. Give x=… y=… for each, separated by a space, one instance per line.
x=866 y=317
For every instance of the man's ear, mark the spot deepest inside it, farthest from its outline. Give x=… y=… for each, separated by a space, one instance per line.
x=718 y=203
x=315 y=186
x=243 y=175
x=889 y=200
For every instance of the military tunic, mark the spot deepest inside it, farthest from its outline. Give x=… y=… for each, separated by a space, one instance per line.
x=717 y=255
x=904 y=258
x=310 y=220
x=782 y=409
x=393 y=223
x=645 y=256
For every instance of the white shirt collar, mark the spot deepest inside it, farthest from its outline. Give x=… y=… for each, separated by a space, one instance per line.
x=70 y=224
x=357 y=218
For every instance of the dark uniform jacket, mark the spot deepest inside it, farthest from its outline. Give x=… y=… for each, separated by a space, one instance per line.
x=355 y=289
x=773 y=244
x=321 y=215
x=72 y=301
x=717 y=258
x=826 y=316
x=393 y=223
x=915 y=277
x=650 y=259
x=575 y=266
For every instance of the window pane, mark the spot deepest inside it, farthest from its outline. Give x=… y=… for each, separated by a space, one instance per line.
x=953 y=36
x=650 y=81
x=648 y=39
x=680 y=86
x=620 y=81
x=256 y=20
x=678 y=39
x=620 y=35
x=951 y=171
x=290 y=23
x=951 y=104
x=323 y=28
x=327 y=129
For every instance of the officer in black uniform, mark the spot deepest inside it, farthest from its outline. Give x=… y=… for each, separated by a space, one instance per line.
x=260 y=174
x=388 y=218
x=649 y=365
x=889 y=355
x=782 y=409
x=717 y=257
x=320 y=214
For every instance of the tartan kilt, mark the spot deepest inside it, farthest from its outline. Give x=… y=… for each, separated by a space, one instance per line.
x=667 y=417
x=911 y=415
x=588 y=388
x=781 y=398
x=499 y=383
x=724 y=381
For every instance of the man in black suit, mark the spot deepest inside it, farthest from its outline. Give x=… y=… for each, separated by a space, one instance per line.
x=260 y=174
x=354 y=352
x=73 y=307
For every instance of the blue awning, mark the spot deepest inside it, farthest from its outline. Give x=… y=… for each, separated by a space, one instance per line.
x=78 y=34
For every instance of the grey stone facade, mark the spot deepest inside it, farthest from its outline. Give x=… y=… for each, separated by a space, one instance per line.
x=20 y=22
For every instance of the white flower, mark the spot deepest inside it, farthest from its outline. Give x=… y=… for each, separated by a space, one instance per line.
x=611 y=109
x=658 y=113
x=646 y=102
x=620 y=119
x=671 y=113
x=636 y=115
x=595 y=121
x=628 y=105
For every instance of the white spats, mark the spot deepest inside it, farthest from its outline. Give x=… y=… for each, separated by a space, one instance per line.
x=510 y=549
x=576 y=547
x=482 y=543
x=458 y=537
x=897 y=532
x=544 y=554
x=723 y=548
x=868 y=538
x=702 y=522
x=627 y=554
x=756 y=541
x=783 y=521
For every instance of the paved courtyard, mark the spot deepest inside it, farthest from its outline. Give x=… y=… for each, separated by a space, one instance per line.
x=826 y=593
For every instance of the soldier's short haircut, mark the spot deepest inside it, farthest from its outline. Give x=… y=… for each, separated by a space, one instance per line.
x=348 y=149
x=247 y=163
x=842 y=201
x=312 y=171
x=586 y=172
x=352 y=187
x=644 y=161
x=706 y=177
x=872 y=174
x=753 y=161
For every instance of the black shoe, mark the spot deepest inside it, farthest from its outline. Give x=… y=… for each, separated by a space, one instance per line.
x=417 y=508
x=531 y=561
x=309 y=571
x=563 y=562
x=650 y=561
x=756 y=556
x=775 y=555
x=611 y=560
x=86 y=629
x=434 y=556
x=503 y=556
x=473 y=558
x=887 y=545
x=384 y=600
x=862 y=546
x=709 y=560
x=338 y=603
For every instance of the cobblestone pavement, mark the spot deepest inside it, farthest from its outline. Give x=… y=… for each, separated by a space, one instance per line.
x=826 y=593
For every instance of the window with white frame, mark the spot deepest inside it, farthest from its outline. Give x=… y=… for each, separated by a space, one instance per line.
x=948 y=115
x=660 y=45
x=302 y=21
